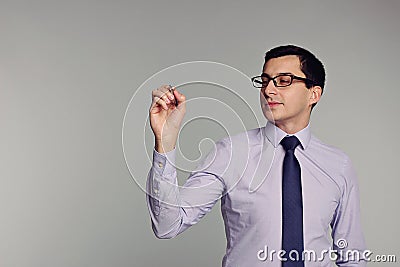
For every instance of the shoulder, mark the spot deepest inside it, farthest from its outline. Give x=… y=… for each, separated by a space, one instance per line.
x=250 y=138
x=229 y=154
x=332 y=159
x=327 y=151
x=237 y=144
x=239 y=147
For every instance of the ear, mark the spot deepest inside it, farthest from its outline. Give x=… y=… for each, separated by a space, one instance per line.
x=316 y=92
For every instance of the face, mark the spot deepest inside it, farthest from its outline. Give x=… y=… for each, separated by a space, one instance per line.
x=288 y=107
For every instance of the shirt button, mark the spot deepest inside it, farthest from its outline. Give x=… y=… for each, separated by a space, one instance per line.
x=160 y=164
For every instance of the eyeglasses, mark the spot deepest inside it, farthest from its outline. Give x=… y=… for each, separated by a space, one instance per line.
x=281 y=80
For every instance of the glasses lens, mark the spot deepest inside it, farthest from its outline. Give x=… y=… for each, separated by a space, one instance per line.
x=260 y=82
x=283 y=80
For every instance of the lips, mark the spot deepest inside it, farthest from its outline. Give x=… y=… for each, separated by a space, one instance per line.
x=272 y=104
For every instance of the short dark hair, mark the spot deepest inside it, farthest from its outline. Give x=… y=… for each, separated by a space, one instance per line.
x=310 y=65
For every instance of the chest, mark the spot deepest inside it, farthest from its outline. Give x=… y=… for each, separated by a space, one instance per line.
x=257 y=196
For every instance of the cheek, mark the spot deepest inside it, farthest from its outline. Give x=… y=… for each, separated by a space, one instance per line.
x=297 y=101
x=263 y=100
x=307 y=98
x=262 y=103
x=265 y=109
x=262 y=95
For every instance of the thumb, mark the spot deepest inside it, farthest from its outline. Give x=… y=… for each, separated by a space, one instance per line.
x=181 y=98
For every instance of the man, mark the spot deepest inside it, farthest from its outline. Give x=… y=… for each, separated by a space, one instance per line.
x=287 y=199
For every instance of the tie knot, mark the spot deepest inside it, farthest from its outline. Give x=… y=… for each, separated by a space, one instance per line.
x=290 y=142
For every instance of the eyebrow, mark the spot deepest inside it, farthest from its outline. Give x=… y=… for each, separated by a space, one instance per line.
x=280 y=73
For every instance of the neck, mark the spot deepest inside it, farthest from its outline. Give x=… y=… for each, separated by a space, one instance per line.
x=291 y=128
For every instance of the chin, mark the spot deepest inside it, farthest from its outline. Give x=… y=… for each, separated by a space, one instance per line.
x=268 y=115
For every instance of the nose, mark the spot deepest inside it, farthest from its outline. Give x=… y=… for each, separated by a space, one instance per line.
x=270 y=89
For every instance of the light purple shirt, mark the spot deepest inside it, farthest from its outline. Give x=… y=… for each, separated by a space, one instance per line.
x=245 y=172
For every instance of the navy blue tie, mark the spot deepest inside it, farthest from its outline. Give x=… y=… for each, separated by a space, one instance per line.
x=292 y=205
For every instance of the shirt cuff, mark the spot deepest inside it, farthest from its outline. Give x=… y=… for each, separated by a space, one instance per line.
x=164 y=163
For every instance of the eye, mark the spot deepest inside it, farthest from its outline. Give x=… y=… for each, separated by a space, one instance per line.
x=283 y=80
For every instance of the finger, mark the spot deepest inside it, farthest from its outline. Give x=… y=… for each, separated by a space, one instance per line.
x=162 y=104
x=166 y=99
x=157 y=95
x=156 y=108
x=171 y=96
x=164 y=88
x=164 y=93
x=157 y=101
x=181 y=98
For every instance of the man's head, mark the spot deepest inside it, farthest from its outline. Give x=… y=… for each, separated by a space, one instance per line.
x=310 y=65
x=291 y=85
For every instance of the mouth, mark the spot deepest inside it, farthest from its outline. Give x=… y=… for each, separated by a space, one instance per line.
x=273 y=104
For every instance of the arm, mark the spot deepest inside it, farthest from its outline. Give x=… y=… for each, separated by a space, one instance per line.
x=347 y=235
x=173 y=209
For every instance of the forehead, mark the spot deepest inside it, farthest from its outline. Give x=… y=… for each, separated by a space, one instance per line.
x=283 y=64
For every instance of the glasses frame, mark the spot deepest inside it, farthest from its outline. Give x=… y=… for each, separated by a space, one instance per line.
x=292 y=77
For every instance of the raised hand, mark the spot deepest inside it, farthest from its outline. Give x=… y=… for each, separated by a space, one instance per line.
x=166 y=117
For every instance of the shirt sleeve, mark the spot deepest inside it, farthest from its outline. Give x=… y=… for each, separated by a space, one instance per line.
x=172 y=208
x=348 y=238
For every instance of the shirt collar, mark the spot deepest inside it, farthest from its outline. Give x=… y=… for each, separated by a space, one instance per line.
x=275 y=135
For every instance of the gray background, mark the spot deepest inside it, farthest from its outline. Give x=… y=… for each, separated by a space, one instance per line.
x=69 y=68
